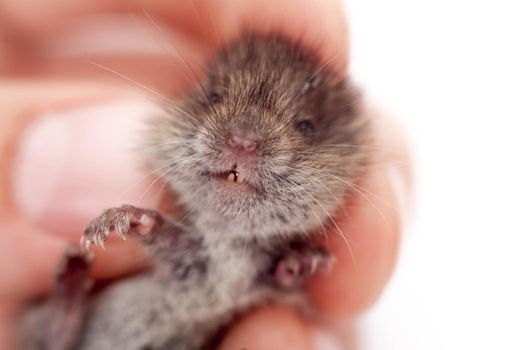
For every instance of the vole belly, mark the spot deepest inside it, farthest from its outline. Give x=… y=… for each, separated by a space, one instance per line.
x=174 y=307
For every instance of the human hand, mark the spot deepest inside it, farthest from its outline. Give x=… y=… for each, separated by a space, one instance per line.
x=65 y=145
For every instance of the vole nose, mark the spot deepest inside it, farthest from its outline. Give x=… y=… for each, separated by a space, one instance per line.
x=243 y=139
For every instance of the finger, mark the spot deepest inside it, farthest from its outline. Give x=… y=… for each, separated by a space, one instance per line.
x=83 y=155
x=321 y=24
x=269 y=328
x=22 y=102
x=205 y=23
x=28 y=260
x=56 y=177
x=371 y=225
x=28 y=257
x=7 y=326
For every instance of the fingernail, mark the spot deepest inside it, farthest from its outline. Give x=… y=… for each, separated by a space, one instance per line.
x=73 y=163
x=323 y=340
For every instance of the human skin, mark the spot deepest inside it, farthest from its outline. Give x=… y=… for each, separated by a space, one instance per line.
x=47 y=195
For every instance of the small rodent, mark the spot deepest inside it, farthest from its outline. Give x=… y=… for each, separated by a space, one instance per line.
x=259 y=156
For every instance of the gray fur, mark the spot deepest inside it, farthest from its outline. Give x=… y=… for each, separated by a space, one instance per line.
x=217 y=259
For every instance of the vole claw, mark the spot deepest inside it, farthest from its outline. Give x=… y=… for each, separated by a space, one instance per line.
x=122 y=221
x=100 y=241
x=298 y=265
x=85 y=243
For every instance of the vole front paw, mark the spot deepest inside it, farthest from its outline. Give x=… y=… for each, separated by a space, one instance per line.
x=293 y=269
x=124 y=220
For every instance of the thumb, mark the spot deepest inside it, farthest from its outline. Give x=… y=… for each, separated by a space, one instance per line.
x=66 y=154
x=74 y=158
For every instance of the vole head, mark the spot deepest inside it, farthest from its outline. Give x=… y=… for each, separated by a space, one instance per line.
x=270 y=138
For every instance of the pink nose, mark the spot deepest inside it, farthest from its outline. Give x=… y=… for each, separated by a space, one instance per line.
x=243 y=140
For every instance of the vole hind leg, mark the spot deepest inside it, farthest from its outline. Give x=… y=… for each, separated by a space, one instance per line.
x=293 y=268
x=69 y=300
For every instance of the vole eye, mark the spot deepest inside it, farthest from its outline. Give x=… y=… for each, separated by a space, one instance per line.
x=215 y=98
x=306 y=128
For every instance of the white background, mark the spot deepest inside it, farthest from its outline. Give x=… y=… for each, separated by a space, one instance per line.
x=453 y=73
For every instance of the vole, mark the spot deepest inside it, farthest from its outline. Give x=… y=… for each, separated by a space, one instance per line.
x=259 y=155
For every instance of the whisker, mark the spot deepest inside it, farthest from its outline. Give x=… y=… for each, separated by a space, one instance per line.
x=341 y=50
x=162 y=175
x=343 y=237
x=123 y=76
x=381 y=214
x=160 y=191
x=136 y=183
x=200 y=20
x=336 y=200
x=321 y=223
x=186 y=63
x=195 y=12
x=387 y=203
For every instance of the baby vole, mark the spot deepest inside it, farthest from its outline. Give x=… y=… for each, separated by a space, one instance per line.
x=259 y=155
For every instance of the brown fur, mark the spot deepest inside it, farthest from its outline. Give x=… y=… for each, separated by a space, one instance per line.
x=231 y=249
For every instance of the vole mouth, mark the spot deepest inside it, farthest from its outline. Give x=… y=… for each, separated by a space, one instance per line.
x=232 y=176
